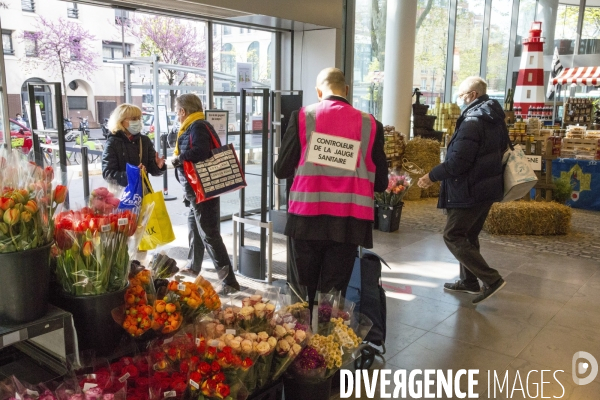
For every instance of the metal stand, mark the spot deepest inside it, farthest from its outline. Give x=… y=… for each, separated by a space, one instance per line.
x=166 y=194
x=237 y=220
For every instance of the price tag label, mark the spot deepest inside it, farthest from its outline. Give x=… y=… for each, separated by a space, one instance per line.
x=87 y=386
x=91 y=376
x=194 y=384
x=124 y=377
x=33 y=393
x=181 y=287
x=172 y=393
x=197 y=341
x=122 y=221
x=105 y=228
x=231 y=331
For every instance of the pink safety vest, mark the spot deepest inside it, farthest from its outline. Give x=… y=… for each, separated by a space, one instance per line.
x=324 y=190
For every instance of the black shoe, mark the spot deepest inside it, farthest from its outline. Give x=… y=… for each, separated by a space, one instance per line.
x=459 y=286
x=188 y=272
x=489 y=291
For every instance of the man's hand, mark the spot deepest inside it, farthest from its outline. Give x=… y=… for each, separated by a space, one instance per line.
x=142 y=167
x=425 y=182
x=159 y=161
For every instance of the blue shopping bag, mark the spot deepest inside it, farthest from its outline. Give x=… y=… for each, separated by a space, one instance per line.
x=133 y=193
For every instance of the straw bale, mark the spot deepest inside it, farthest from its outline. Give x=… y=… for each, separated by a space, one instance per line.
x=426 y=154
x=528 y=218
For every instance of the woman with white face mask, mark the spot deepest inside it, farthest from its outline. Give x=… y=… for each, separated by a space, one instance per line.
x=123 y=146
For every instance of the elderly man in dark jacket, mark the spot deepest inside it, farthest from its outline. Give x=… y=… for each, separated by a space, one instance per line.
x=471 y=180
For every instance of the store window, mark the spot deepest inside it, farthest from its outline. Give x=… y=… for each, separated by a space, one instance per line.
x=527 y=10
x=565 y=33
x=497 y=58
x=226 y=30
x=121 y=17
x=77 y=102
x=31 y=49
x=369 y=50
x=431 y=47
x=7 y=44
x=469 y=34
x=423 y=84
x=590 y=34
x=28 y=5
x=253 y=57
x=75 y=49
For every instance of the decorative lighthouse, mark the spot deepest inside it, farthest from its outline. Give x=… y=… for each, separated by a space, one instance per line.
x=530 y=83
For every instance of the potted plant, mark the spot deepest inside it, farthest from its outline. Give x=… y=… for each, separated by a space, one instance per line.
x=28 y=202
x=389 y=203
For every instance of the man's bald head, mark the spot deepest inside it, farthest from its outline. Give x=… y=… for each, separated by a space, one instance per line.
x=473 y=83
x=331 y=81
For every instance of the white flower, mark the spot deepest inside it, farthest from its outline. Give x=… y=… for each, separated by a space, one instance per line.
x=259 y=309
x=263 y=336
x=272 y=341
x=280 y=331
x=300 y=336
x=263 y=348
x=255 y=298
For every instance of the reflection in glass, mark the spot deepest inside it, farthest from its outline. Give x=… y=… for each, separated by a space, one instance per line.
x=369 y=49
x=467 y=50
x=526 y=16
x=590 y=35
x=498 y=49
x=431 y=48
x=565 y=33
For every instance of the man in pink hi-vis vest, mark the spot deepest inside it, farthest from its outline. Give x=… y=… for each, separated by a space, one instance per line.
x=335 y=154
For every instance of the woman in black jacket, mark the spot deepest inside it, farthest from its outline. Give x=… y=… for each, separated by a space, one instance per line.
x=194 y=145
x=123 y=146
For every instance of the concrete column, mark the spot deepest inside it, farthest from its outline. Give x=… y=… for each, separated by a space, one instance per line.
x=547 y=11
x=399 y=64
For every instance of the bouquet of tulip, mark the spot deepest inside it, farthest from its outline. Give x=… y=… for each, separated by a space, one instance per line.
x=92 y=250
x=27 y=204
x=397 y=187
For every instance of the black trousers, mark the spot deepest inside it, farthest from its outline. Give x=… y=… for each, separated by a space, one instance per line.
x=323 y=265
x=462 y=238
x=204 y=221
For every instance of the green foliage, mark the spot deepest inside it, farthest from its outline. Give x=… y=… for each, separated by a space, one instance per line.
x=563 y=190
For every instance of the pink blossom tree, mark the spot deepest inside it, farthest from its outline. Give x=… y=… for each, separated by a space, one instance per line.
x=175 y=41
x=60 y=47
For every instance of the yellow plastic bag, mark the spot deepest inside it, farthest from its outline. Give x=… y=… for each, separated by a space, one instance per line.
x=159 y=230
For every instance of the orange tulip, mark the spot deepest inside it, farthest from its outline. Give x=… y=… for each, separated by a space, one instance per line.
x=170 y=308
x=88 y=248
x=6 y=203
x=159 y=306
x=173 y=286
x=11 y=216
x=31 y=206
x=25 y=216
x=60 y=194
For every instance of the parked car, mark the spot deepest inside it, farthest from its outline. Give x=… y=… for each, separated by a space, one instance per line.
x=20 y=135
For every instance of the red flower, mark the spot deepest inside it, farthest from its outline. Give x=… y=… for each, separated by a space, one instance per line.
x=204 y=368
x=88 y=249
x=196 y=376
x=128 y=369
x=63 y=239
x=49 y=174
x=220 y=377
x=215 y=367
x=60 y=194
x=184 y=366
x=179 y=386
x=141 y=383
x=222 y=390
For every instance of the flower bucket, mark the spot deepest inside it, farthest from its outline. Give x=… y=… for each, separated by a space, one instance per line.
x=389 y=217
x=93 y=319
x=376 y=216
x=294 y=389
x=25 y=276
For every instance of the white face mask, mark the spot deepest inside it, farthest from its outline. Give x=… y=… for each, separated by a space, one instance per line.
x=135 y=127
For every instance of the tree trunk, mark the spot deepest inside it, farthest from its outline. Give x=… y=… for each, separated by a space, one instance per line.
x=424 y=14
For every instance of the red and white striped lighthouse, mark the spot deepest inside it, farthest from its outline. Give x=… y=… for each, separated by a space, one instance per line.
x=530 y=90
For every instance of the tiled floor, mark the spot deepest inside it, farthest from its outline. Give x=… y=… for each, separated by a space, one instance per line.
x=547 y=311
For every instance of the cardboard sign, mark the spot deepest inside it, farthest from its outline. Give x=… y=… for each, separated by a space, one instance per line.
x=333 y=151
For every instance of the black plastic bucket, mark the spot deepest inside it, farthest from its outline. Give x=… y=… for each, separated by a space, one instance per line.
x=96 y=329
x=25 y=277
x=300 y=390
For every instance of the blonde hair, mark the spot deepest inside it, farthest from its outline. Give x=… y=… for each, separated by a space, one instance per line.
x=120 y=114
